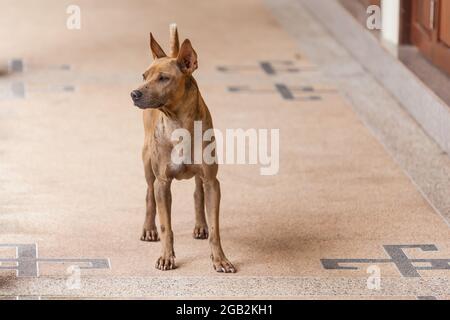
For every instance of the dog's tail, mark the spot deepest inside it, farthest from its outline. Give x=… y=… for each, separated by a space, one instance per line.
x=174 y=42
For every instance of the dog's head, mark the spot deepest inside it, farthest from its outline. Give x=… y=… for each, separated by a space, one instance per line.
x=165 y=79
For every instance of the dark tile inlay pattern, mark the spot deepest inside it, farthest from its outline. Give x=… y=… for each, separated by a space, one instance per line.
x=426 y=298
x=21 y=84
x=26 y=263
x=16 y=65
x=272 y=67
x=404 y=264
x=285 y=91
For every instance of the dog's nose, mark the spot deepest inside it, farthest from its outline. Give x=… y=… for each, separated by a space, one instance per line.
x=136 y=95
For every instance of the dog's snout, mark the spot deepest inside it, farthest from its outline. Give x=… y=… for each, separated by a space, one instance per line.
x=136 y=95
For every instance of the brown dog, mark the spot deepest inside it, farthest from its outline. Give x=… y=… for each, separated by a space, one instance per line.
x=171 y=100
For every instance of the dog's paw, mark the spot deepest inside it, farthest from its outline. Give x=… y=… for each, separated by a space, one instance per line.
x=150 y=235
x=200 y=232
x=223 y=265
x=165 y=263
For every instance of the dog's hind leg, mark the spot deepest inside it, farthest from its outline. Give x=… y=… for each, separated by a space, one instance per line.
x=201 y=227
x=149 y=232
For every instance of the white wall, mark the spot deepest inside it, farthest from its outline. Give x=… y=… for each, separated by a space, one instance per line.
x=390 y=11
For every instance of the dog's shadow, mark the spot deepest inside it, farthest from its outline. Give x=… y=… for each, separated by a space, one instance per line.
x=262 y=247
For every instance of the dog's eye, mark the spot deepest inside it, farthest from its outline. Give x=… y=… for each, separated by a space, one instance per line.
x=163 y=78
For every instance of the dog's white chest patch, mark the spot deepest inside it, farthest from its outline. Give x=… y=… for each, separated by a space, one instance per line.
x=175 y=169
x=179 y=171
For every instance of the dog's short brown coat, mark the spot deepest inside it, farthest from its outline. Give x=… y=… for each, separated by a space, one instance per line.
x=171 y=99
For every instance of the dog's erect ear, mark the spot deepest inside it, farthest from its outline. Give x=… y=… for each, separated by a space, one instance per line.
x=174 y=42
x=187 y=58
x=156 y=49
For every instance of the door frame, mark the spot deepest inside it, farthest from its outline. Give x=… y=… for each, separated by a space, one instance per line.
x=405 y=22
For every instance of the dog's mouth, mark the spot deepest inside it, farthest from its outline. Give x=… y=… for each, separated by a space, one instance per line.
x=142 y=106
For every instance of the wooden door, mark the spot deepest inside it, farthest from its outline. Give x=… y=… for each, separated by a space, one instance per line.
x=430 y=30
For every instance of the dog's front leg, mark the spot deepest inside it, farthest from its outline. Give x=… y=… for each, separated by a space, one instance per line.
x=164 y=202
x=201 y=228
x=212 y=197
x=149 y=232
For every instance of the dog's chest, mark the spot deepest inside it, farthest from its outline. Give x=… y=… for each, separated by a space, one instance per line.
x=179 y=171
x=166 y=160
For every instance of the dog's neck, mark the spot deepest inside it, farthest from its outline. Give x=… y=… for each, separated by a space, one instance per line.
x=186 y=111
